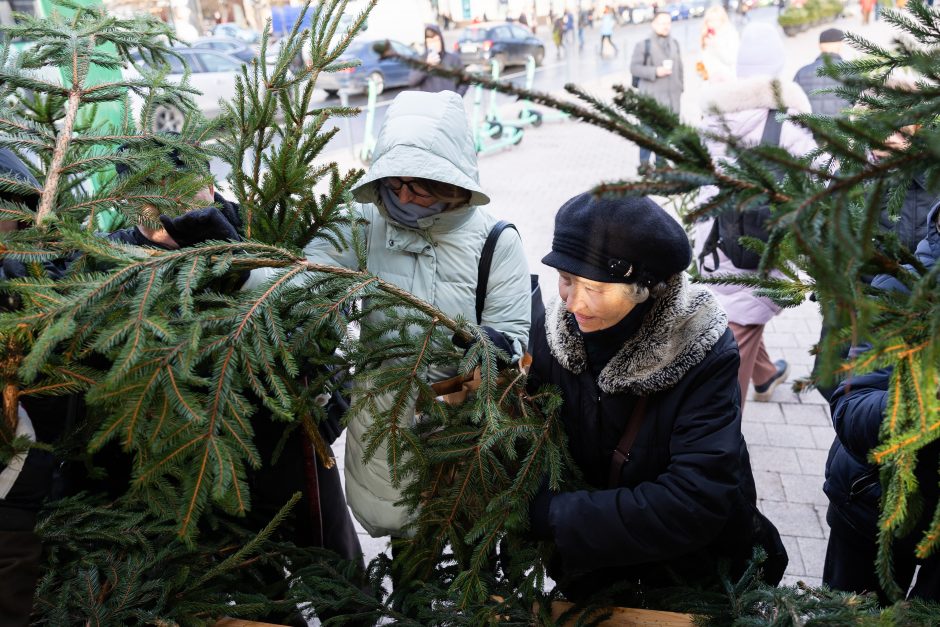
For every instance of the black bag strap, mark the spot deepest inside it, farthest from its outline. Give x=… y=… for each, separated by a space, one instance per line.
x=712 y=243
x=621 y=454
x=646 y=51
x=486 y=260
x=772 y=128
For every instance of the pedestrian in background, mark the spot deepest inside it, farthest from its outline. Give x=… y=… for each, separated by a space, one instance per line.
x=866 y=7
x=808 y=77
x=743 y=108
x=583 y=18
x=647 y=371
x=607 y=30
x=657 y=63
x=558 y=36
x=436 y=54
x=720 y=43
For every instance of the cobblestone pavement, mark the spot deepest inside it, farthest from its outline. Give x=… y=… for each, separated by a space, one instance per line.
x=788 y=437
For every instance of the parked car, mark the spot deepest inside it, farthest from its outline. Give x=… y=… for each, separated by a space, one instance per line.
x=697 y=8
x=212 y=73
x=387 y=72
x=234 y=47
x=678 y=11
x=509 y=44
x=234 y=31
x=640 y=13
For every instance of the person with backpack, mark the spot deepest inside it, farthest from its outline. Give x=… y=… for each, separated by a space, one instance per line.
x=656 y=67
x=424 y=230
x=746 y=108
x=807 y=77
x=647 y=370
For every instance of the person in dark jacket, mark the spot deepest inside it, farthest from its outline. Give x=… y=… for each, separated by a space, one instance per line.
x=854 y=491
x=911 y=223
x=640 y=353
x=436 y=54
x=26 y=479
x=218 y=219
x=830 y=48
x=33 y=477
x=853 y=485
x=290 y=462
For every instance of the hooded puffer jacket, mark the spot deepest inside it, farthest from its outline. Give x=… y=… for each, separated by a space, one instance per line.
x=739 y=108
x=426 y=135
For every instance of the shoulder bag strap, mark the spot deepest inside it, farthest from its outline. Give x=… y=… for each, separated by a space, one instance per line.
x=486 y=260
x=646 y=52
x=621 y=454
x=772 y=128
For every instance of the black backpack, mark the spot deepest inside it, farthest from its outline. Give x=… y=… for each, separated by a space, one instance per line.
x=731 y=226
x=483 y=275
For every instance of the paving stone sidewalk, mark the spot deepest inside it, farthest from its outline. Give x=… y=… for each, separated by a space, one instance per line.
x=788 y=437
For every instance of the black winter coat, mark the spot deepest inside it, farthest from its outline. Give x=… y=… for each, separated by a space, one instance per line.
x=911 y=226
x=852 y=483
x=822 y=104
x=686 y=496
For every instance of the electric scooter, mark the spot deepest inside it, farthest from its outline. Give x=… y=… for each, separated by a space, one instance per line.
x=491 y=133
x=529 y=114
x=368 y=138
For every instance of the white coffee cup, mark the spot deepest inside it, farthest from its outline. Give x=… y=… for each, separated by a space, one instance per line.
x=667 y=64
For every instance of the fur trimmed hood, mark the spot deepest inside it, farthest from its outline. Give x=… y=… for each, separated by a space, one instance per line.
x=756 y=92
x=684 y=323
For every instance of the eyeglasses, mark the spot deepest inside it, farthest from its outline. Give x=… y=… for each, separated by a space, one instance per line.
x=394 y=184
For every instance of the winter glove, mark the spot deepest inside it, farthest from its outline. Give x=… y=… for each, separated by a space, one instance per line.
x=10 y=269
x=499 y=340
x=198 y=226
x=539 y=525
x=332 y=426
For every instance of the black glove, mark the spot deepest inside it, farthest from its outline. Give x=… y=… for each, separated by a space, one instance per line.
x=499 y=340
x=539 y=508
x=198 y=226
x=332 y=426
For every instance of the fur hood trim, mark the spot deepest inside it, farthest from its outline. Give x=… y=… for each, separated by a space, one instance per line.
x=756 y=92
x=684 y=323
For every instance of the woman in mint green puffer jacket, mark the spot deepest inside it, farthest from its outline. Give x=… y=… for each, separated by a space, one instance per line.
x=430 y=246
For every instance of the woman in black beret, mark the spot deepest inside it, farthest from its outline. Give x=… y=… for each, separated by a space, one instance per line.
x=647 y=369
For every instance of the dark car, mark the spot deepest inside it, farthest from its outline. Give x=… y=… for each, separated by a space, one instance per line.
x=507 y=43
x=386 y=71
x=677 y=10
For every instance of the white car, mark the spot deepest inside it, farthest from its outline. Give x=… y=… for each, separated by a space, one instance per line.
x=212 y=73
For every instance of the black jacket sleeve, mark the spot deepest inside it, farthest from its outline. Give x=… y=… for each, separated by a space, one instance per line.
x=858 y=407
x=683 y=509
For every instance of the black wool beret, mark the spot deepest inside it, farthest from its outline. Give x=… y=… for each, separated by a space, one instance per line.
x=831 y=36
x=618 y=240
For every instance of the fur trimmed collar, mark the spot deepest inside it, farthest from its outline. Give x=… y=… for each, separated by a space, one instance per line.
x=684 y=323
x=756 y=92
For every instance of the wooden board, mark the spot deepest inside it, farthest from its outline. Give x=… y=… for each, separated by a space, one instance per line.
x=629 y=617
x=620 y=617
